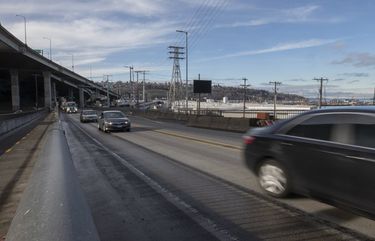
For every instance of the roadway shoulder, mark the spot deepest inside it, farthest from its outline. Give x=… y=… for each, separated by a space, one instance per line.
x=16 y=166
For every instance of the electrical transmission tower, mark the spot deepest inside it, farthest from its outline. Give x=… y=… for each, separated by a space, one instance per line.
x=175 y=94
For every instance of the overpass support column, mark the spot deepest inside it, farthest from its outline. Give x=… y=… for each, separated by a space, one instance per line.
x=70 y=94
x=15 y=89
x=81 y=98
x=54 y=94
x=47 y=90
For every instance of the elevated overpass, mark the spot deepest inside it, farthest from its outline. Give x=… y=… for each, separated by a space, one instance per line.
x=28 y=79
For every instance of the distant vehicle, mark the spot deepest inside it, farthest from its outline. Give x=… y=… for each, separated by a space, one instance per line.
x=70 y=107
x=325 y=154
x=113 y=121
x=88 y=116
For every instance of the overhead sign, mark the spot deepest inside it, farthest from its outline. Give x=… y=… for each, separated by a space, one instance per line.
x=39 y=51
x=202 y=86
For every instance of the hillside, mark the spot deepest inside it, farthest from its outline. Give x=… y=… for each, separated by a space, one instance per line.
x=160 y=90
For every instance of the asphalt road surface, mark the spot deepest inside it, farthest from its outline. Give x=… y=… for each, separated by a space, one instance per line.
x=166 y=181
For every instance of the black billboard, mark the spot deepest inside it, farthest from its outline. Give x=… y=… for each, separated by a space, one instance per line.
x=202 y=86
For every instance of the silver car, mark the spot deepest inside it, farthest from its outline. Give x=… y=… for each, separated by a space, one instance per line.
x=113 y=120
x=88 y=116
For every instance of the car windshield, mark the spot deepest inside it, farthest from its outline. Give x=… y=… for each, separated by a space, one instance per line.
x=89 y=112
x=71 y=104
x=113 y=115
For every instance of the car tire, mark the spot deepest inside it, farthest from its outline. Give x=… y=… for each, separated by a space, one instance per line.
x=128 y=130
x=273 y=178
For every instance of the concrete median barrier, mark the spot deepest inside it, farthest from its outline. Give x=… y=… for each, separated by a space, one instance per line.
x=53 y=206
x=219 y=123
x=11 y=122
x=238 y=124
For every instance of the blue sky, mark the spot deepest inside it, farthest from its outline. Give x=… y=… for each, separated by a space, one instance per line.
x=287 y=41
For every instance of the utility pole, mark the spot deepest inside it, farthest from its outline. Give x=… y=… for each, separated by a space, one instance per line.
x=108 y=100
x=131 y=68
x=244 y=96
x=144 y=87
x=199 y=99
x=275 y=97
x=321 y=80
x=137 y=73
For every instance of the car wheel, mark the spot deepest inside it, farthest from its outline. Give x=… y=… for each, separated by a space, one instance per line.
x=273 y=178
x=128 y=130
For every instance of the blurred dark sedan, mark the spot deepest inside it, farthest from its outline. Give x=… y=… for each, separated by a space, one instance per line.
x=113 y=121
x=326 y=154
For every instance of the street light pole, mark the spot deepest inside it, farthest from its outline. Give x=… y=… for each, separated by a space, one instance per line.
x=187 y=67
x=73 y=62
x=50 y=47
x=24 y=19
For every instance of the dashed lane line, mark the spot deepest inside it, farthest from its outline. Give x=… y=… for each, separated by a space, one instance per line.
x=205 y=141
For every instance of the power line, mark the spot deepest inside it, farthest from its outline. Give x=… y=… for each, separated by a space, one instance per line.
x=204 y=30
x=201 y=12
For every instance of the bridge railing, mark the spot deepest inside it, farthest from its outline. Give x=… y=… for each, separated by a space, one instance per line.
x=53 y=206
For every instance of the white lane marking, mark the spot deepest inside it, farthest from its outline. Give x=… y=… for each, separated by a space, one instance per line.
x=140 y=117
x=205 y=222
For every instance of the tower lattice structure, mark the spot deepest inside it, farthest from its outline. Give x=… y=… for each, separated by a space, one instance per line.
x=175 y=94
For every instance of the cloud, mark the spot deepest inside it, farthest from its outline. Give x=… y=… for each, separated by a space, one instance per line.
x=294 y=15
x=73 y=8
x=338 y=79
x=91 y=40
x=296 y=80
x=358 y=75
x=278 y=48
x=353 y=81
x=358 y=60
x=330 y=90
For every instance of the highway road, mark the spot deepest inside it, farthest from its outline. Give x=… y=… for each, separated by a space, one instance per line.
x=166 y=181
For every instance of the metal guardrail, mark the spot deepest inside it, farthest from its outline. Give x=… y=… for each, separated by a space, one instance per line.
x=53 y=206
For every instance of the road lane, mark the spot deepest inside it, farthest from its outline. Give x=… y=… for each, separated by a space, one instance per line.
x=224 y=163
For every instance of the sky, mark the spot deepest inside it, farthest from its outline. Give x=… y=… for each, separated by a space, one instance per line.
x=292 y=42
